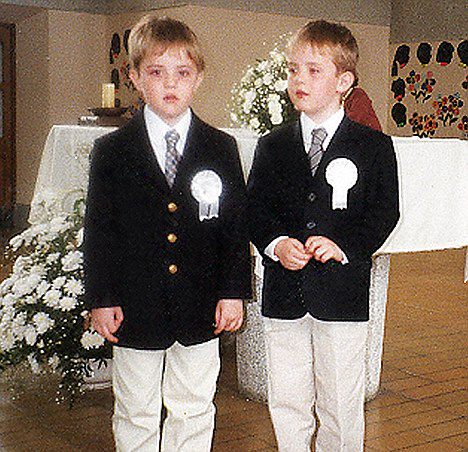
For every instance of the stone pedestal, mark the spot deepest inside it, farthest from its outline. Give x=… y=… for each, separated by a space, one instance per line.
x=251 y=359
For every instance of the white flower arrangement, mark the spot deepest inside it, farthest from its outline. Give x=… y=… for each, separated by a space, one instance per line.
x=260 y=100
x=43 y=321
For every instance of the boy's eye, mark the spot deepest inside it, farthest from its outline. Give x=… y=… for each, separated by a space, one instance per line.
x=184 y=73
x=292 y=70
x=155 y=72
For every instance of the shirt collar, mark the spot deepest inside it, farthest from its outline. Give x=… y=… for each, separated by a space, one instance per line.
x=157 y=128
x=330 y=125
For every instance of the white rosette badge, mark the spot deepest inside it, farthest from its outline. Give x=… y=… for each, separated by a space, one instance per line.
x=206 y=189
x=341 y=174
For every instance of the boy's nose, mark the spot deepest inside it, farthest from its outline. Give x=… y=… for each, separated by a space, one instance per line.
x=169 y=81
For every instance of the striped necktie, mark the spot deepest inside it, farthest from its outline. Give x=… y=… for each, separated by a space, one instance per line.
x=316 y=148
x=172 y=156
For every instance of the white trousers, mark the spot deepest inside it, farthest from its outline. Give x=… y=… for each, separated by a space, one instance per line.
x=181 y=378
x=318 y=364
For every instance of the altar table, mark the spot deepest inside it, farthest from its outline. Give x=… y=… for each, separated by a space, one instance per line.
x=433 y=177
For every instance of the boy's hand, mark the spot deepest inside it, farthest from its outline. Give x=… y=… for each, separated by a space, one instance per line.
x=106 y=321
x=229 y=315
x=323 y=249
x=292 y=254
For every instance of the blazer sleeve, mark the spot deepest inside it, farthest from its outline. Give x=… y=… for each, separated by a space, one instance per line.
x=100 y=231
x=235 y=272
x=264 y=223
x=381 y=213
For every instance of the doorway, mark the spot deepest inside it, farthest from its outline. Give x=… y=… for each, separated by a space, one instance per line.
x=7 y=125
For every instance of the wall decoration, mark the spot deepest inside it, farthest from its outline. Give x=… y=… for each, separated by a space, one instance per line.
x=445 y=53
x=401 y=58
x=418 y=89
x=399 y=114
x=402 y=55
x=423 y=126
x=447 y=109
x=465 y=83
x=114 y=50
x=126 y=92
x=398 y=89
x=462 y=51
x=115 y=78
x=463 y=126
x=424 y=53
x=429 y=102
x=125 y=39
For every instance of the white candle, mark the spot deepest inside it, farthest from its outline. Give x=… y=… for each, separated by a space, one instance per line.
x=108 y=95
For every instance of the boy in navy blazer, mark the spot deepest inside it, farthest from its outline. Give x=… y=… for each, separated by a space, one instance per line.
x=322 y=198
x=166 y=249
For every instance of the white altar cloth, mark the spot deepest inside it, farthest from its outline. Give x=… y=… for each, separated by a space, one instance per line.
x=433 y=176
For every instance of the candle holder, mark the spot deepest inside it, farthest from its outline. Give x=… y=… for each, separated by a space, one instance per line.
x=109 y=116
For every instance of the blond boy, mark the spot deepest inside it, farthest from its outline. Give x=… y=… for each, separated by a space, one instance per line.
x=323 y=197
x=166 y=251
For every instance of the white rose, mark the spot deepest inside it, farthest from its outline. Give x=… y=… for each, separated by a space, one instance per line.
x=43 y=322
x=16 y=242
x=67 y=303
x=281 y=85
x=30 y=335
x=34 y=364
x=7 y=340
x=254 y=123
x=267 y=79
x=52 y=258
x=52 y=297
x=74 y=287
x=42 y=288
x=72 y=261
x=276 y=119
x=59 y=282
x=91 y=339
x=263 y=65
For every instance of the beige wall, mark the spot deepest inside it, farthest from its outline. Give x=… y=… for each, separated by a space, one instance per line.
x=63 y=59
x=32 y=100
x=77 y=62
x=60 y=65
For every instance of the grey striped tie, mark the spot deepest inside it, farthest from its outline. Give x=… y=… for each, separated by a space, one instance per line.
x=172 y=156
x=316 y=148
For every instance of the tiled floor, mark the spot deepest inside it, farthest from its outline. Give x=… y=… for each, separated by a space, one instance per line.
x=422 y=405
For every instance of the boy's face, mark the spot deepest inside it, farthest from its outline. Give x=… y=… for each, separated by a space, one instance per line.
x=314 y=84
x=167 y=81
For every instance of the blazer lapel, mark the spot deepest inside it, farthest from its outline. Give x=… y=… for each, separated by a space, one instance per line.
x=193 y=152
x=338 y=146
x=144 y=162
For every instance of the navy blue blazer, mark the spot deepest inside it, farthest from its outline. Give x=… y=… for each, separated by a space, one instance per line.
x=145 y=248
x=285 y=199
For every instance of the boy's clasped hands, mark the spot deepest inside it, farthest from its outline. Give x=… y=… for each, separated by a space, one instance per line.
x=294 y=255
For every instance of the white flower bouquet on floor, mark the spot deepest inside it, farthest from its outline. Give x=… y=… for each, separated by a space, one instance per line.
x=43 y=320
x=260 y=100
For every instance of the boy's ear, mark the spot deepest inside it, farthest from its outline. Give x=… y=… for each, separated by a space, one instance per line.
x=199 y=80
x=135 y=78
x=346 y=81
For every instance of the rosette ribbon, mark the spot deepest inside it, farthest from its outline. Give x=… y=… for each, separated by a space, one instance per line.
x=341 y=174
x=206 y=189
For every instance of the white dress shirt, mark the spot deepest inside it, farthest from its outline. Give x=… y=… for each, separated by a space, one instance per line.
x=307 y=126
x=157 y=129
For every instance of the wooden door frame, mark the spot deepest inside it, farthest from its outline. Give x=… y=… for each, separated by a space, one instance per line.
x=8 y=194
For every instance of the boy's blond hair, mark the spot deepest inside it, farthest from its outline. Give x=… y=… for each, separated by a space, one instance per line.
x=335 y=38
x=152 y=33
